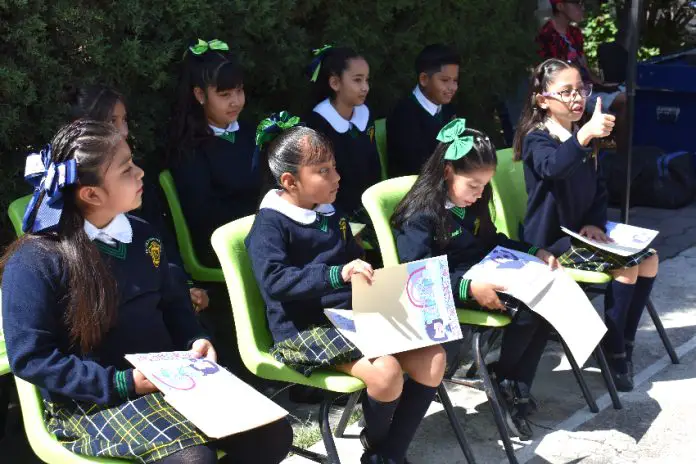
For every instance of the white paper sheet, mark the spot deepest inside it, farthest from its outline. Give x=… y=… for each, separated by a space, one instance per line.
x=407 y=307
x=211 y=397
x=627 y=240
x=551 y=294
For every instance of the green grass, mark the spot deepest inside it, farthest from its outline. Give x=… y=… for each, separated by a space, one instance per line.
x=307 y=434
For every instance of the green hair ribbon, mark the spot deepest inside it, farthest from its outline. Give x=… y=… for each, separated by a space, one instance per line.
x=202 y=46
x=316 y=62
x=273 y=125
x=452 y=134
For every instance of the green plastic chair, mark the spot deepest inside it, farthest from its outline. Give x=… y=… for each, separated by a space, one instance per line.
x=193 y=266
x=510 y=199
x=381 y=140
x=254 y=338
x=16 y=213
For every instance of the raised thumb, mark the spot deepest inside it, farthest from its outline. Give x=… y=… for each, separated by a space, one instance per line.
x=598 y=106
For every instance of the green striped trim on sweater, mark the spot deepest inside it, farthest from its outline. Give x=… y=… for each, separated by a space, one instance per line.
x=464 y=289
x=335 y=277
x=533 y=250
x=121 y=384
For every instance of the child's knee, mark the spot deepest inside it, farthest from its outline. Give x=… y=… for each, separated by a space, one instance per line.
x=626 y=275
x=387 y=380
x=649 y=267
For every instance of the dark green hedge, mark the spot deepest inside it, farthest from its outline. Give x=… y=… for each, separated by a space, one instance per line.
x=135 y=46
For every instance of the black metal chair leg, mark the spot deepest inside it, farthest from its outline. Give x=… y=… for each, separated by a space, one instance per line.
x=347 y=412
x=456 y=426
x=608 y=380
x=577 y=371
x=325 y=428
x=5 y=387
x=661 y=331
x=498 y=414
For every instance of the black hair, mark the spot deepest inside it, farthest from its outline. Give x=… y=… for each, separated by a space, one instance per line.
x=189 y=125
x=429 y=194
x=433 y=57
x=532 y=116
x=91 y=308
x=291 y=149
x=92 y=102
x=334 y=62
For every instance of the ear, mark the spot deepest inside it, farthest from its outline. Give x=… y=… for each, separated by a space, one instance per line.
x=540 y=101
x=199 y=95
x=90 y=196
x=423 y=79
x=288 y=182
x=449 y=172
x=335 y=83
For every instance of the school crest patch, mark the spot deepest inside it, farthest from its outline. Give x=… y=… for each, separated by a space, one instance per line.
x=371 y=133
x=343 y=226
x=153 y=247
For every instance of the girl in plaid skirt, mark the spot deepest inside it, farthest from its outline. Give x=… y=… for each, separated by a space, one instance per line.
x=566 y=189
x=304 y=258
x=88 y=284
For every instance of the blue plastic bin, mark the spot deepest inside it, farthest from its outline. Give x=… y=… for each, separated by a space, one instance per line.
x=665 y=105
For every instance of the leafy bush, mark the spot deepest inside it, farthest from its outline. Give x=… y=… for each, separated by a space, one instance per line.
x=136 y=45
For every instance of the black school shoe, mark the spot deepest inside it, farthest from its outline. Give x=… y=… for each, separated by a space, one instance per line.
x=623 y=382
x=370 y=456
x=517 y=409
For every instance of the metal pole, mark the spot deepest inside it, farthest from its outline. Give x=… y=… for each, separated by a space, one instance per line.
x=634 y=34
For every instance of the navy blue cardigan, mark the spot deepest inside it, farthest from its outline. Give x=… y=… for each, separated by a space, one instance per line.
x=154 y=314
x=564 y=188
x=298 y=268
x=416 y=240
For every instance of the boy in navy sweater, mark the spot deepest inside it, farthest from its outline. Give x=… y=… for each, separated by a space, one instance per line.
x=86 y=286
x=419 y=116
x=304 y=258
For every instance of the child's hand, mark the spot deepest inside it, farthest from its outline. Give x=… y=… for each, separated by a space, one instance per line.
x=548 y=258
x=485 y=295
x=595 y=233
x=142 y=385
x=204 y=349
x=357 y=266
x=199 y=298
x=599 y=126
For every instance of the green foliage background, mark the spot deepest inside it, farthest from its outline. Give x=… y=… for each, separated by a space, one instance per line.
x=136 y=45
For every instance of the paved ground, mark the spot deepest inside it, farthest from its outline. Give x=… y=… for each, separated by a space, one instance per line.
x=655 y=423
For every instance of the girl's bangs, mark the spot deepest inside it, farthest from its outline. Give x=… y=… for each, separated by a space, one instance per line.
x=228 y=76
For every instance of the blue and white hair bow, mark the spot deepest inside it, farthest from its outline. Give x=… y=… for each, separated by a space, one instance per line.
x=49 y=178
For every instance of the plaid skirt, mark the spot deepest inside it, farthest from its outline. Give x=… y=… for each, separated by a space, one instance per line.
x=145 y=429
x=314 y=348
x=588 y=258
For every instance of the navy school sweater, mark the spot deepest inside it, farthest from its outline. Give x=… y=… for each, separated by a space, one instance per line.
x=298 y=268
x=411 y=135
x=218 y=183
x=154 y=314
x=564 y=188
x=357 y=160
x=416 y=240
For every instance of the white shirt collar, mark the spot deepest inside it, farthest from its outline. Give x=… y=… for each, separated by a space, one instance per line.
x=361 y=115
x=233 y=127
x=427 y=105
x=557 y=130
x=449 y=204
x=118 y=230
x=273 y=201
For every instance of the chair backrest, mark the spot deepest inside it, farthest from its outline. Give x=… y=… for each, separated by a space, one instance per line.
x=381 y=141
x=253 y=336
x=192 y=265
x=42 y=442
x=380 y=201
x=509 y=194
x=16 y=213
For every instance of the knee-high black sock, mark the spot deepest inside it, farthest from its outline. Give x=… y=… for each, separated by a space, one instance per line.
x=518 y=336
x=378 y=418
x=616 y=304
x=642 y=291
x=414 y=403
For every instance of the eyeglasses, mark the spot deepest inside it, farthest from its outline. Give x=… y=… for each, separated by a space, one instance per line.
x=568 y=95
